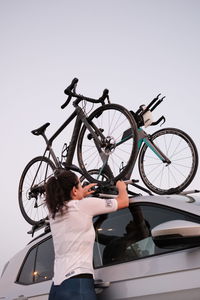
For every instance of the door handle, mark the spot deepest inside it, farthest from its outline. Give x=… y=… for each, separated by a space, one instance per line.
x=98 y=283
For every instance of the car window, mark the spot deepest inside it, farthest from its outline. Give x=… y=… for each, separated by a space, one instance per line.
x=26 y=274
x=44 y=261
x=125 y=235
x=38 y=264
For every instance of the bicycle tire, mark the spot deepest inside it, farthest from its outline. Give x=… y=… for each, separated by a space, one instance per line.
x=161 y=178
x=116 y=124
x=31 y=192
x=95 y=173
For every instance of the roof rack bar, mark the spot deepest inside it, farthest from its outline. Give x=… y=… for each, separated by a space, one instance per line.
x=189 y=192
x=39 y=225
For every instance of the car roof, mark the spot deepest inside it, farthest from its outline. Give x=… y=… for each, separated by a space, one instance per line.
x=189 y=202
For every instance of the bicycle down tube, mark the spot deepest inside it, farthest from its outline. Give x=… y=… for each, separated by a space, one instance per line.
x=94 y=131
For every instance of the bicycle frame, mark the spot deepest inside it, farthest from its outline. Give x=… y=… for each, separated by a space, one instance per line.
x=95 y=132
x=144 y=138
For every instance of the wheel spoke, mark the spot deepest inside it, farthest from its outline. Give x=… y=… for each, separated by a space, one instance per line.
x=113 y=120
x=31 y=195
x=182 y=153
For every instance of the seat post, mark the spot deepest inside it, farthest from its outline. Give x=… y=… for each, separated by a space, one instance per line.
x=50 y=149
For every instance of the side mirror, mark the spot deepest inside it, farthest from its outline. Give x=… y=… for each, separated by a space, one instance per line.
x=176 y=234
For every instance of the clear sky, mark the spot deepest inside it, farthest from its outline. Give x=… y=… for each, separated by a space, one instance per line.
x=135 y=48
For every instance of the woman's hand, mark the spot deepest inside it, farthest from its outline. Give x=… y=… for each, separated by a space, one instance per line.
x=121 y=186
x=87 y=189
x=122 y=198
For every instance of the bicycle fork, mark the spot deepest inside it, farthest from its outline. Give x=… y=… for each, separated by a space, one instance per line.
x=144 y=138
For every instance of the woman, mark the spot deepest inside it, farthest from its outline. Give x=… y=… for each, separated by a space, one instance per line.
x=71 y=214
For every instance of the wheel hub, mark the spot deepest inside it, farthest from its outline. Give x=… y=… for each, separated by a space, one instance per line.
x=109 y=144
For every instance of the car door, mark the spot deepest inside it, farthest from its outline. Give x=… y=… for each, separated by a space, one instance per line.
x=36 y=272
x=128 y=264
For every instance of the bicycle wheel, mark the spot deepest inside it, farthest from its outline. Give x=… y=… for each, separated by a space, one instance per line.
x=95 y=174
x=163 y=178
x=32 y=190
x=117 y=134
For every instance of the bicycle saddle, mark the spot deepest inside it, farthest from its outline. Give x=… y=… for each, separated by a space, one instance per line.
x=40 y=130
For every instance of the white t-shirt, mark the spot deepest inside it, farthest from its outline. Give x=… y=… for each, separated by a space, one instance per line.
x=73 y=236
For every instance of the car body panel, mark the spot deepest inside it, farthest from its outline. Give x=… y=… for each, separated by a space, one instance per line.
x=154 y=276
x=11 y=290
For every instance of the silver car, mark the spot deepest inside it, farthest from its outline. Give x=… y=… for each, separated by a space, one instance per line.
x=150 y=250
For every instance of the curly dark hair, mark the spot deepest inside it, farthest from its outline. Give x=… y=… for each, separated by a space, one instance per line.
x=58 y=189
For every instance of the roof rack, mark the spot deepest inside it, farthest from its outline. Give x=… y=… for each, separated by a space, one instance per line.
x=189 y=192
x=134 y=183
x=44 y=223
x=110 y=191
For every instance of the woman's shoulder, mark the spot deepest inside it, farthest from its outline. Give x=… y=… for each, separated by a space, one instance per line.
x=94 y=206
x=72 y=204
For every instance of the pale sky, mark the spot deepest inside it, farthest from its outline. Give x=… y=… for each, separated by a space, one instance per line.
x=135 y=48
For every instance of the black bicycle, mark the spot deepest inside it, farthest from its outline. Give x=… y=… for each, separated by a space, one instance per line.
x=101 y=143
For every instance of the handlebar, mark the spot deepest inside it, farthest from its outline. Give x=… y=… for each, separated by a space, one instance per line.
x=161 y=119
x=139 y=114
x=71 y=92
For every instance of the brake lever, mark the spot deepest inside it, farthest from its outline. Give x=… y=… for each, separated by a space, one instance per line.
x=74 y=88
x=108 y=99
x=162 y=119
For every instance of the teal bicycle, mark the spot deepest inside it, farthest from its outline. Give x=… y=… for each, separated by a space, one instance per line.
x=168 y=158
